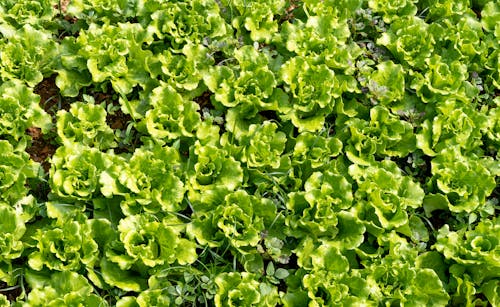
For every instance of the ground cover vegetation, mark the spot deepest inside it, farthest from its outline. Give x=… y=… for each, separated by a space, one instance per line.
x=249 y=153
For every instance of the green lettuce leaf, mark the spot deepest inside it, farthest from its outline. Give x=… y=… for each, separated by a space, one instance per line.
x=258 y=17
x=85 y=123
x=27 y=55
x=150 y=181
x=35 y=13
x=105 y=10
x=384 y=195
x=212 y=174
x=72 y=72
x=19 y=110
x=443 y=80
x=315 y=210
x=15 y=168
x=321 y=33
x=75 y=171
x=63 y=245
x=154 y=243
x=441 y=9
x=393 y=10
x=122 y=64
x=261 y=146
x=316 y=150
x=466 y=180
x=312 y=89
x=387 y=83
x=244 y=289
x=172 y=120
x=489 y=17
x=477 y=248
x=62 y=289
x=11 y=246
x=384 y=135
x=185 y=22
x=453 y=126
x=409 y=40
x=184 y=71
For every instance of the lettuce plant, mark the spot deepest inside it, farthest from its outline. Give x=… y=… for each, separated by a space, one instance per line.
x=261 y=146
x=395 y=279
x=329 y=187
x=387 y=83
x=72 y=72
x=320 y=34
x=316 y=150
x=185 y=70
x=243 y=212
x=62 y=289
x=103 y=10
x=19 y=111
x=236 y=289
x=149 y=181
x=110 y=53
x=493 y=134
x=363 y=140
x=443 y=80
x=466 y=180
x=27 y=54
x=256 y=17
x=439 y=9
x=476 y=248
x=331 y=280
x=384 y=196
x=15 y=169
x=240 y=220
x=489 y=14
x=312 y=90
x=171 y=116
x=324 y=288
x=254 y=85
x=85 y=123
x=153 y=243
x=466 y=39
x=212 y=174
x=409 y=40
x=65 y=244
x=324 y=36
x=185 y=22
x=11 y=246
x=393 y=10
x=315 y=209
x=324 y=280
x=493 y=68
x=331 y=276
x=35 y=13
x=474 y=254
x=451 y=127
x=344 y=8
x=75 y=172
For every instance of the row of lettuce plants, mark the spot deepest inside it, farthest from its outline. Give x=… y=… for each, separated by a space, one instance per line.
x=272 y=153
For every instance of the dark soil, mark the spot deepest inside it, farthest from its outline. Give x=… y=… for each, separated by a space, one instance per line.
x=50 y=99
x=118 y=120
x=41 y=148
x=12 y=293
x=204 y=101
